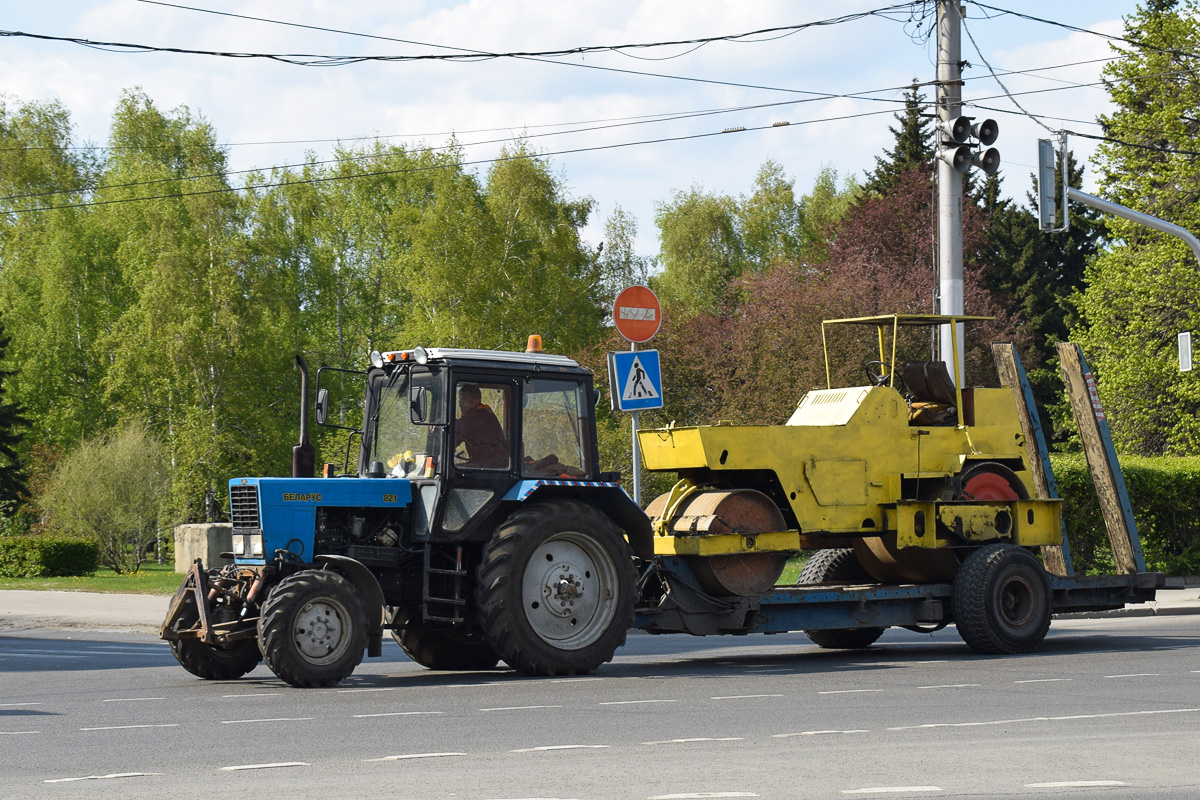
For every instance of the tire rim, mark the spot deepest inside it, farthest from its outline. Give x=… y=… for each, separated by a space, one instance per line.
x=568 y=590
x=1016 y=602
x=320 y=631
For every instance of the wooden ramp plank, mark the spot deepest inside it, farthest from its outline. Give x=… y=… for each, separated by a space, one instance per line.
x=1101 y=459
x=1057 y=558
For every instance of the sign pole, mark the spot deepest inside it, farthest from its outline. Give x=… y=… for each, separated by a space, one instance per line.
x=637 y=450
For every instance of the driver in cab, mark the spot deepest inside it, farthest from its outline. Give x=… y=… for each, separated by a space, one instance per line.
x=479 y=431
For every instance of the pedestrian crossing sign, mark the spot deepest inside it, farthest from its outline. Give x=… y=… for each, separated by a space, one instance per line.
x=635 y=380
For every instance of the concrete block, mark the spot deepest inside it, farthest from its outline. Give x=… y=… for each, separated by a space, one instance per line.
x=205 y=540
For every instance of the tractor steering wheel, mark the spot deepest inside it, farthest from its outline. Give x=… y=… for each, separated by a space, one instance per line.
x=877 y=373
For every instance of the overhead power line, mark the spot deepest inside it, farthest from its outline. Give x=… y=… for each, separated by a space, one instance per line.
x=326 y=60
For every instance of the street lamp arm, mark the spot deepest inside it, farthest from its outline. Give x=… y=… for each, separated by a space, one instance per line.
x=1136 y=216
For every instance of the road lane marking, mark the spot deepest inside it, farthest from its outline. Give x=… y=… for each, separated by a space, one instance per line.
x=277 y=719
x=129 y=727
x=17 y=733
x=697 y=739
x=938 y=661
x=574 y=680
x=634 y=702
x=815 y=733
x=397 y=714
x=560 y=747
x=102 y=777
x=130 y=699
x=893 y=789
x=850 y=691
x=1046 y=719
x=407 y=756
x=950 y=686
x=1044 y=680
x=516 y=708
x=700 y=795
x=256 y=694
x=38 y=655
x=1073 y=784
x=1135 y=675
x=372 y=689
x=744 y=696
x=11 y=705
x=240 y=767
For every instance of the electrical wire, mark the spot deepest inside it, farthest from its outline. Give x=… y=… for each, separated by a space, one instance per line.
x=326 y=60
x=999 y=82
x=458 y=164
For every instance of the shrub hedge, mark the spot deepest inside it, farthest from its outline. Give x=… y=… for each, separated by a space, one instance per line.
x=1165 y=496
x=36 y=556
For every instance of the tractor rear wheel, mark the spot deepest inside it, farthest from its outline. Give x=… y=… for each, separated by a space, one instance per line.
x=1001 y=600
x=442 y=649
x=556 y=589
x=838 y=566
x=213 y=662
x=313 y=628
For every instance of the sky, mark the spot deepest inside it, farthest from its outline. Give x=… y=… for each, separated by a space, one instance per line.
x=635 y=135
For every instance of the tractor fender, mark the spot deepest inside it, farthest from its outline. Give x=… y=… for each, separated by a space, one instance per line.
x=368 y=586
x=606 y=496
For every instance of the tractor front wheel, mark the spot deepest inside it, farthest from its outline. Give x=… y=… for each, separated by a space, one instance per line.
x=213 y=662
x=556 y=589
x=442 y=649
x=1001 y=600
x=313 y=628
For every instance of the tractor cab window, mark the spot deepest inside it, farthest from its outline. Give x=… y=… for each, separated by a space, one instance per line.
x=407 y=448
x=555 y=431
x=481 y=429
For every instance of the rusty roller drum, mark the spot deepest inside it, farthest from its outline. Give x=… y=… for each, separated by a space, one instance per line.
x=742 y=511
x=886 y=562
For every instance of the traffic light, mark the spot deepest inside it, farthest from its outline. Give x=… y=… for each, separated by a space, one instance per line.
x=1047 y=196
x=963 y=141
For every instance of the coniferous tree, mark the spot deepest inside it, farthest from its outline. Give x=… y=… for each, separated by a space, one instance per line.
x=914 y=146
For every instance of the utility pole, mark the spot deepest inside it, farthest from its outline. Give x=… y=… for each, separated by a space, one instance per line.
x=950 y=179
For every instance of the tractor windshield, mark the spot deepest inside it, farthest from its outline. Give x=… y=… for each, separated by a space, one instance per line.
x=403 y=446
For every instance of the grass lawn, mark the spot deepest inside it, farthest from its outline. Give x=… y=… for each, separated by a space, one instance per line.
x=151 y=579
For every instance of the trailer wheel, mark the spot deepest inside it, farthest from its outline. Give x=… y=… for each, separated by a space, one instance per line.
x=838 y=566
x=443 y=649
x=225 y=662
x=313 y=628
x=1001 y=600
x=556 y=589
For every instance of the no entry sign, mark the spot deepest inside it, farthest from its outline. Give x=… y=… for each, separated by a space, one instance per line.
x=637 y=314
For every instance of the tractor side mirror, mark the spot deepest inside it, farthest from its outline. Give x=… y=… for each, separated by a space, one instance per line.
x=418 y=404
x=321 y=410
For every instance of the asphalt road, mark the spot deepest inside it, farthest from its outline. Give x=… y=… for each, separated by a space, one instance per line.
x=1107 y=708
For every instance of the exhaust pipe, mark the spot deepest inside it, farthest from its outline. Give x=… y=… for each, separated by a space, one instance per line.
x=304 y=456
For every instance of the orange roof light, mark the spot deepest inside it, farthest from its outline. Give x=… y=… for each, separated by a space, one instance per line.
x=535 y=344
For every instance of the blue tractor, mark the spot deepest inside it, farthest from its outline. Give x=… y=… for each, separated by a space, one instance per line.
x=475 y=527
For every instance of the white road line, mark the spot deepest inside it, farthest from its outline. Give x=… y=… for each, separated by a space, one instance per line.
x=938 y=661
x=372 y=689
x=11 y=705
x=256 y=694
x=277 y=719
x=1072 y=784
x=1044 y=680
x=17 y=733
x=1135 y=675
x=893 y=790
x=700 y=795
x=950 y=686
x=266 y=766
x=815 y=733
x=407 y=756
x=129 y=727
x=516 y=708
x=130 y=699
x=850 y=691
x=697 y=739
x=397 y=714
x=38 y=655
x=103 y=777
x=574 y=680
x=1046 y=719
x=744 y=696
x=634 y=702
x=560 y=747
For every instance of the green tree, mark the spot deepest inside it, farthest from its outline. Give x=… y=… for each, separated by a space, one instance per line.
x=770 y=220
x=822 y=211
x=620 y=265
x=1146 y=288
x=701 y=250
x=914 y=145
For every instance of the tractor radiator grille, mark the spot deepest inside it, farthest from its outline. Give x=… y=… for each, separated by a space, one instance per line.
x=243 y=506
